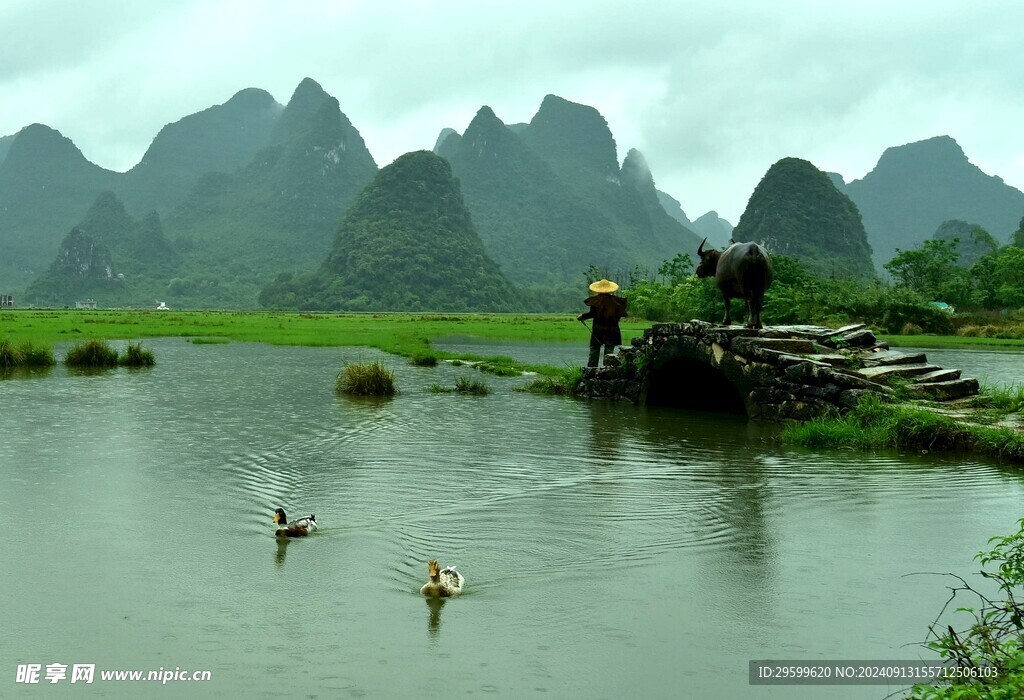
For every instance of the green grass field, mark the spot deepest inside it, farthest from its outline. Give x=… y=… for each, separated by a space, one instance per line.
x=402 y=334
x=953 y=342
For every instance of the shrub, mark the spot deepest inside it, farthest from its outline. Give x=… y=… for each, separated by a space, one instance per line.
x=993 y=640
x=91 y=354
x=366 y=379
x=911 y=329
x=135 y=356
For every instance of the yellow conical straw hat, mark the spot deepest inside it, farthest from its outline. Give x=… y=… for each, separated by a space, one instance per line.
x=603 y=287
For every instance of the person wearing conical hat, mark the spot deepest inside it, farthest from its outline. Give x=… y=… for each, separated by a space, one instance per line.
x=606 y=310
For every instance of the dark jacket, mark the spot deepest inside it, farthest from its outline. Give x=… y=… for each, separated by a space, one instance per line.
x=606 y=310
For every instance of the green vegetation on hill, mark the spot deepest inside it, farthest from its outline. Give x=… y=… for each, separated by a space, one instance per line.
x=549 y=199
x=5 y=144
x=82 y=270
x=266 y=187
x=797 y=211
x=407 y=242
x=238 y=232
x=717 y=230
x=220 y=139
x=995 y=281
x=46 y=185
x=917 y=186
x=524 y=213
x=797 y=296
x=109 y=256
x=573 y=138
x=972 y=241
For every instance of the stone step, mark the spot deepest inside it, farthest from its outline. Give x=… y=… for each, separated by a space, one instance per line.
x=945 y=391
x=834 y=360
x=882 y=372
x=812 y=332
x=848 y=329
x=895 y=357
x=939 y=375
x=791 y=346
x=863 y=338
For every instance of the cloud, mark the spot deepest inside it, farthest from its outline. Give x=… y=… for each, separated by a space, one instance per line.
x=711 y=93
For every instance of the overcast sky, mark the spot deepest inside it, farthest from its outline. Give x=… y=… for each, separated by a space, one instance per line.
x=712 y=93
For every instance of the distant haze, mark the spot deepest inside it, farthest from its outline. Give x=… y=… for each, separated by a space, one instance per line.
x=712 y=93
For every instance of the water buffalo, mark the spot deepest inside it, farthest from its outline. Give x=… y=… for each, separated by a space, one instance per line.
x=741 y=270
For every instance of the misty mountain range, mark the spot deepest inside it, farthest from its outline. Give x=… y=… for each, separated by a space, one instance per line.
x=235 y=197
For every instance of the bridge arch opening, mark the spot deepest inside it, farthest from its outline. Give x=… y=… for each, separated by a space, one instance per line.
x=693 y=385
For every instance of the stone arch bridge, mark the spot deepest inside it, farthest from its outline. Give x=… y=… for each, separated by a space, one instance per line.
x=775 y=373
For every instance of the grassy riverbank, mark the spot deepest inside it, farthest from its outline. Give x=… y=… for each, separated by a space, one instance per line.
x=409 y=335
x=953 y=342
x=875 y=424
x=399 y=333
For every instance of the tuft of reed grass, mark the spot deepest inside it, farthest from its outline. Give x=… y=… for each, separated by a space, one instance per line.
x=135 y=356
x=37 y=356
x=366 y=379
x=423 y=360
x=91 y=354
x=1005 y=398
x=209 y=341
x=11 y=356
x=24 y=356
x=440 y=389
x=465 y=385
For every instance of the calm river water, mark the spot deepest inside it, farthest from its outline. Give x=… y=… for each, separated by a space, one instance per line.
x=608 y=550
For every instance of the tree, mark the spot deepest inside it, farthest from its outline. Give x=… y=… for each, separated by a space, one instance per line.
x=1009 y=271
x=678 y=269
x=931 y=271
x=1017 y=239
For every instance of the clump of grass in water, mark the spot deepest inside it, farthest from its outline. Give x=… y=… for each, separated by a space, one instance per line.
x=209 y=341
x=366 y=379
x=563 y=384
x=464 y=385
x=11 y=357
x=26 y=355
x=423 y=360
x=440 y=389
x=135 y=356
x=91 y=354
x=37 y=356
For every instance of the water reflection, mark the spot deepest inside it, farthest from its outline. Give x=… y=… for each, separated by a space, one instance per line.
x=24 y=372
x=607 y=424
x=434 y=620
x=282 y=550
